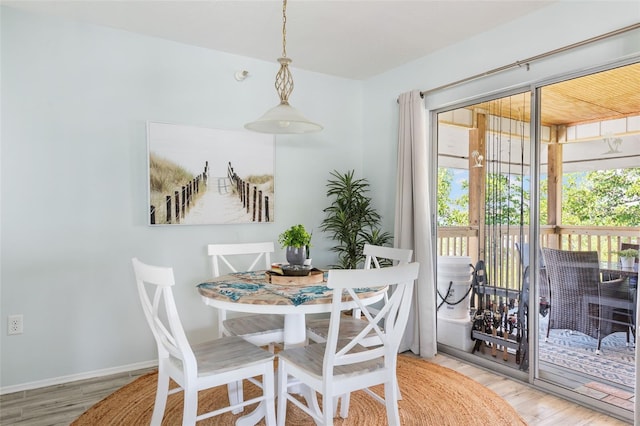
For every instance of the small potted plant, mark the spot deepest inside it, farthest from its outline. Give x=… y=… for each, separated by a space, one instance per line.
x=297 y=241
x=627 y=257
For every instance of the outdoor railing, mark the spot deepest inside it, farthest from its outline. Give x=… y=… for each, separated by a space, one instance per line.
x=463 y=241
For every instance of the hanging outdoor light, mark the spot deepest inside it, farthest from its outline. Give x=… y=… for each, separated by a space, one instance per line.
x=283 y=118
x=477 y=158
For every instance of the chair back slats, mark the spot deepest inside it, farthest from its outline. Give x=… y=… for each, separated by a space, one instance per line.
x=235 y=257
x=161 y=312
x=580 y=301
x=259 y=254
x=374 y=255
x=381 y=256
x=401 y=279
x=573 y=278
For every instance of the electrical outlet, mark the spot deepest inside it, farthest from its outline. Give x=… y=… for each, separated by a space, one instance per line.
x=14 y=324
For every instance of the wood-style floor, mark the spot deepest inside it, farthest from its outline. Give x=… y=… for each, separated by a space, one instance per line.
x=61 y=404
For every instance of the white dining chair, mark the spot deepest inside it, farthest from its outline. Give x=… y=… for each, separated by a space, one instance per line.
x=259 y=329
x=225 y=361
x=318 y=329
x=375 y=257
x=336 y=366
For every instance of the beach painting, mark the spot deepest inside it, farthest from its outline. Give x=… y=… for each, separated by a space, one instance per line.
x=203 y=176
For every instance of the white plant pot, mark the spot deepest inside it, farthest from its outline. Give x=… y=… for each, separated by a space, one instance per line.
x=627 y=262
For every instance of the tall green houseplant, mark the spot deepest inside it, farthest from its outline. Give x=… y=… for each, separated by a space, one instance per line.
x=351 y=219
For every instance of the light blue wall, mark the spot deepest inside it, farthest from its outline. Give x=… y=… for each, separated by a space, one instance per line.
x=74 y=102
x=75 y=99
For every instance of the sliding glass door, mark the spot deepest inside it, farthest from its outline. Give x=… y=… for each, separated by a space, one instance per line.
x=590 y=176
x=524 y=177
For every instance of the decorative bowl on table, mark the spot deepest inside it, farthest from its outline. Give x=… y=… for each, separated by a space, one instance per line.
x=296 y=270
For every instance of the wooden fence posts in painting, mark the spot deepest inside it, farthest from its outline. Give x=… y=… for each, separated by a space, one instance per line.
x=178 y=204
x=255 y=207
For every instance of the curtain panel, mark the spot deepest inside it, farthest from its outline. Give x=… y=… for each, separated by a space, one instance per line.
x=413 y=221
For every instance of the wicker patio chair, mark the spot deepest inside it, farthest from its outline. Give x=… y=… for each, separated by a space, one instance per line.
x=581 y=301
x=523 y=252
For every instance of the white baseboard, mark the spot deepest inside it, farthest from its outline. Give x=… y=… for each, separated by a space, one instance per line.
x=79 y=376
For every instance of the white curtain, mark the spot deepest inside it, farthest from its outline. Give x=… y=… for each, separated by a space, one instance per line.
x=413 y=221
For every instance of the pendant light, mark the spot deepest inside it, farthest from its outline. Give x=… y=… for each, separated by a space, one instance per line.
x=283 y=118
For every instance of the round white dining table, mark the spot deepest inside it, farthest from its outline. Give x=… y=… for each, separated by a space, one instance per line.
x=251 y=292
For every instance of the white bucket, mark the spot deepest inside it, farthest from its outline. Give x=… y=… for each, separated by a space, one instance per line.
x=455 y=333
x=454 y=281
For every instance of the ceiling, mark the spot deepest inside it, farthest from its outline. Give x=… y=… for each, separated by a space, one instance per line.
x=595 y=98
x=348 y=38
x=601 y=96
x=606 y=95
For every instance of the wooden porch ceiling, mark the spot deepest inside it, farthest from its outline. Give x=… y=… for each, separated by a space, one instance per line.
x=601 y=96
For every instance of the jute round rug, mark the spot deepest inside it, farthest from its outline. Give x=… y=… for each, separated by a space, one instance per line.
x=431 y=395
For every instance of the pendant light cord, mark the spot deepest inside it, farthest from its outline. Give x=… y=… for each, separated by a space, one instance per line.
x=284 y=28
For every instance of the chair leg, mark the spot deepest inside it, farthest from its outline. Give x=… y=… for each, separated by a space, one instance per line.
x=327 y=411
x=162 y=392
x=344 y=405
x=546 y=339
x=282 y=393
x=268 y=390
x=266 y=408
x=395 y=382
x=190 y=407
x=311 y=397
x=391 y=402
x=236 y=395
x=336 y=400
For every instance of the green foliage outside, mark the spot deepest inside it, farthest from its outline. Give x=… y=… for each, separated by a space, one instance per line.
x=597 y=198
x=503 y=201
x=451 y=212
x=507 y=202
x=602 y=198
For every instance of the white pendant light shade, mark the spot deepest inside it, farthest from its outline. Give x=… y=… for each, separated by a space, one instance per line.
x=283 y=119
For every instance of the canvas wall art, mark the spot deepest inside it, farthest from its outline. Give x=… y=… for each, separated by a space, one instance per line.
x=200 y=176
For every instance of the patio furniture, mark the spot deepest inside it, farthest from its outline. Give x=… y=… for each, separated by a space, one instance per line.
x=225 y=361
x=624 y=246
x=581 y=301
x=523 y=252
x=338 y=367
x=633 y=281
